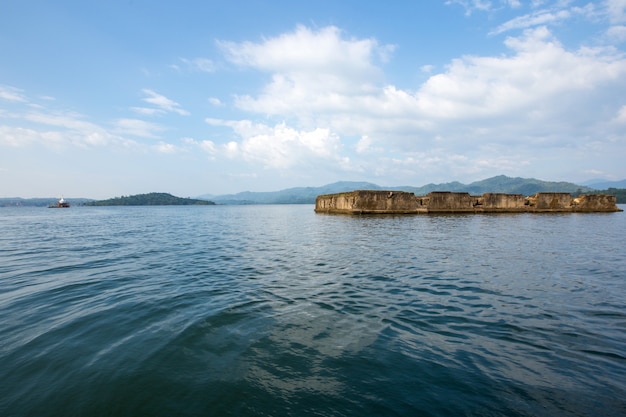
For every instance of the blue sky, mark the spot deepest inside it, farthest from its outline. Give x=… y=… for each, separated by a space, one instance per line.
x=102 y=99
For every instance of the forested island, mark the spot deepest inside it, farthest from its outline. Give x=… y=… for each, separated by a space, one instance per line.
x=150 y=199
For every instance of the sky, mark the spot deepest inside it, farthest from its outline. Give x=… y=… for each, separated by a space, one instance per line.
x=100 y=99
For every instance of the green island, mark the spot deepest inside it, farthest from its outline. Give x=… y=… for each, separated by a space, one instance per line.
x=150 y=199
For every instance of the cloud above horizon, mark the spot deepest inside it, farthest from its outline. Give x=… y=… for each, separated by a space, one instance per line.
x=484 y=107
x=322 y=101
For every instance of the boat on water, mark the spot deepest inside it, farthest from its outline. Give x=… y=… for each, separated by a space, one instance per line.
x=60 y=204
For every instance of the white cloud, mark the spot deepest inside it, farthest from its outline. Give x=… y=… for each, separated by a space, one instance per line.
x=473 y=5
x=492 y=110
x=199 y=64
x=616 y=34
x=18 y=136
x=137 y=127
x=364 y=144
x=231 y=149
x=542 y=17
x=12 y=94
x=306 y=61
x=280 y=147
x=58 y=130
x=305 y=50
x=215 y=101
x=68 y=120
x=617 y=11
x=534 y=78
x=207 y=146
x=555 y=14
x=167 y=148
x=163 y=103
x=526 y=84
x=621 y=115
x=147 y=111
x=313 y=73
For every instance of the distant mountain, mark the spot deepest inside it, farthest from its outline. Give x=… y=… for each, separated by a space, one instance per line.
x=605 y=184
x=150 y=199
x=307 y=195
x=297 y=195
x=525 y=186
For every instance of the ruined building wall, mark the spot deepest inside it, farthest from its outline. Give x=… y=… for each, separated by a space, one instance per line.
x=363 y=202
x=550 y=201
x=500 y=201
x=454 y=202
x=594 y=202
x=389 y=202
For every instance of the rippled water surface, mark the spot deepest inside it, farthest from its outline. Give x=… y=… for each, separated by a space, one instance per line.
x=278 y=311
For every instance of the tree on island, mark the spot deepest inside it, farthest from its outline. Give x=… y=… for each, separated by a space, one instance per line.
x=150 y=199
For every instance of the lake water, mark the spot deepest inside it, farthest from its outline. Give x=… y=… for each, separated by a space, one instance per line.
x=278 y=311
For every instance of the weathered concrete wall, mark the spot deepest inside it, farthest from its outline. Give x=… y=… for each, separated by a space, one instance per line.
x=594 y=203
x=550 y=201
x=390 y=202
x=370 y=202
x=453 y=202
x=503 y=202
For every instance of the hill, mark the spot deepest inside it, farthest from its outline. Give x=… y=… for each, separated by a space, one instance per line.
x=498 y=184
x=297 y=195
x=605 y=184
x=150 y=199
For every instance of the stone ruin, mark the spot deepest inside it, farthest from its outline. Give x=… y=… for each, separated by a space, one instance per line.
x=401 y=202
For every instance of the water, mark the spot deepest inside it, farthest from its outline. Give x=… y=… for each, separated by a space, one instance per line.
x=278 y=311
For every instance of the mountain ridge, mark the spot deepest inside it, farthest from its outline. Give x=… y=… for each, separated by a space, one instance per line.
x=497 y=184
x=307 y=195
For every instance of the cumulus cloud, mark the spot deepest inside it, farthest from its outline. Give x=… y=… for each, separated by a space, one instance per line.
x=306 y=50
x=531 y=78
x=306 y=61
x=489 y=109
x=280 y=147
x=534 y=77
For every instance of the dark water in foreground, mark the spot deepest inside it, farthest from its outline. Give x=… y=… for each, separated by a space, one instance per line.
x=277 y=311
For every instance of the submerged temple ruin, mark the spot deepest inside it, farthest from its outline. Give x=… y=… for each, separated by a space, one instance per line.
x=401 y=202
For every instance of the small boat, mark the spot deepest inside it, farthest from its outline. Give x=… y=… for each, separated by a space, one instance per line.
x=60 y=204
